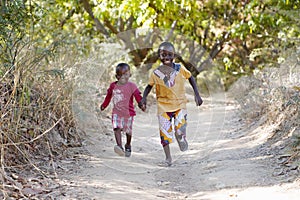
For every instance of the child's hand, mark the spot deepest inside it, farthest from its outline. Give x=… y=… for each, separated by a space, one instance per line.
x=102 y=108
x=198 y=100
x=142 y=106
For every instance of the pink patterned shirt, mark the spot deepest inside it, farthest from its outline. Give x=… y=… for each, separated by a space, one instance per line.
x=122 y=98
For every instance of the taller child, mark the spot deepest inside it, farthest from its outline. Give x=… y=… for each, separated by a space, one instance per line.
x=169 y=81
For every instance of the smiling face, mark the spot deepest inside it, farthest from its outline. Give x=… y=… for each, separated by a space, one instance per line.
x=166 y=54
x=123 y=73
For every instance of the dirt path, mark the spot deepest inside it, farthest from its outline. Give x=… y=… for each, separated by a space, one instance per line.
x=224 y=161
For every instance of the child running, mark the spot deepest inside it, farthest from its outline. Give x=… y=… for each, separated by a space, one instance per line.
x=169 y=79
x=122 y=92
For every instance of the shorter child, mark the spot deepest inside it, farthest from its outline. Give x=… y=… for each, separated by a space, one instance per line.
x=122 y=92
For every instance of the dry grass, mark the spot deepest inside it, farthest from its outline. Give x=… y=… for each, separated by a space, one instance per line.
x=40 y=100
x=36 y=123
x=272 y=98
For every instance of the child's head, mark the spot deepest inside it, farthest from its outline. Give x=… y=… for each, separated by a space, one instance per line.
x=166 y=53
x=123 y=73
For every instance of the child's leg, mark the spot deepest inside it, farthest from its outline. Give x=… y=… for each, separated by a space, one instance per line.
x=128 y=145
x=118 y=124
x=128 y=140
x=168 y=154
x=118 y=136
x=118 y=148
x=180 y=124
x=128 y=129
x=166 y=134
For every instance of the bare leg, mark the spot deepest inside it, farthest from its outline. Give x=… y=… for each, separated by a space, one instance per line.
x=118 y=148
x=168 y=154
x=128 y=140
x=128 y=145
x=118 y=136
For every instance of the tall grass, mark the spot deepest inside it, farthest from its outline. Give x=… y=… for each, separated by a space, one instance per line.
x=36 y=119
x=46 y=96
x=272 y=97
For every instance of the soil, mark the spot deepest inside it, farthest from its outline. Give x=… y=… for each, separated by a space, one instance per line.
x=227 y=159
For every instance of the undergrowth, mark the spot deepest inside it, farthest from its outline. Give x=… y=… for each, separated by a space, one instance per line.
x=36 y=124
x=272 y=98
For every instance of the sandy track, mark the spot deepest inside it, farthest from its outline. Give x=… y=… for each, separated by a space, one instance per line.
x=225 y=161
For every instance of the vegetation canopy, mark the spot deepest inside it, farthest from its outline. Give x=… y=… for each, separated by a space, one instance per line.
x=49 y=50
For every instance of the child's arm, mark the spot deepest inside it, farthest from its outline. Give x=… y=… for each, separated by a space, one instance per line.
x=198 y=99
x=145 y=94
x=138 y=97
x=107 y=97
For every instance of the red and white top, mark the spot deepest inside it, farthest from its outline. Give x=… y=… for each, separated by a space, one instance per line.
x=122 y=98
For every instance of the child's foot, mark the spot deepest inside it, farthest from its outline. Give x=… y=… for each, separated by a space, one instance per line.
x=183 y=144
x=165 y=163
x=127 y=150
x=119 y=150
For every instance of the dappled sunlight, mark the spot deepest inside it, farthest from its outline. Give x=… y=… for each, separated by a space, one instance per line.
x=57 y=59
x=275 y=192
x=222 y=162
x=113 y=188
x=221 y=156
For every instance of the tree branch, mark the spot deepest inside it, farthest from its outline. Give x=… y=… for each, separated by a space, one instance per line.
x=110 y=26
x=70 y=14
x=130 y=22
x=188 y=65
x=99 y=26
x=171 y=31
x=121 y=24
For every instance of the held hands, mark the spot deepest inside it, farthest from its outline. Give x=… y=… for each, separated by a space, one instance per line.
x=142 y=105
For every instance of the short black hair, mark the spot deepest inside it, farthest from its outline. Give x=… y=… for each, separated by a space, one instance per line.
x=122 y=66
x=165 y=44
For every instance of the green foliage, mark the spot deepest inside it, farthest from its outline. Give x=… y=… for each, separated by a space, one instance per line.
x=240 y=36
x=35 y=92
x=13 y=29
x=226 y=30
x=42 y=42
x=263 y=31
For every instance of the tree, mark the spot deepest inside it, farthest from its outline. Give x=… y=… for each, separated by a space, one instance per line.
x=239 y=35
x=221 y=29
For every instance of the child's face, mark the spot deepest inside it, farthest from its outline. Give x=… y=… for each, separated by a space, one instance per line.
x=166 y=55
x=123 y=76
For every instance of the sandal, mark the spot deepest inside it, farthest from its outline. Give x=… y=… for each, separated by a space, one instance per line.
x=127 y=151
x=165 y=164
x=119 y=150
x=183 y=145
